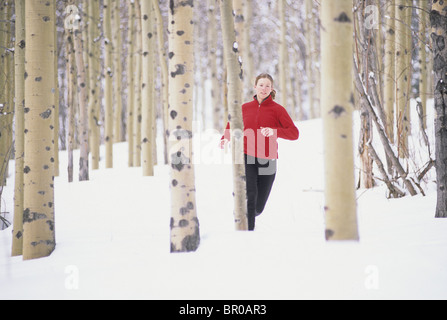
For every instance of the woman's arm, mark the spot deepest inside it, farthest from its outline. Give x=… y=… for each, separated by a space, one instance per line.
x=287 y=129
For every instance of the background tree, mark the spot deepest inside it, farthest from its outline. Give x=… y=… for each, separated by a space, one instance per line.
x=438 y=20
x=147 y=101
x=185 y=235
x=234 y=83
x=19 y=59
x=108 y=65
x=336 y=49
x=38 y=218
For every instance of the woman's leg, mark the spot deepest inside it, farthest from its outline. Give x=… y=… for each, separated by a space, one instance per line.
x=266 y=177
x=251 y=174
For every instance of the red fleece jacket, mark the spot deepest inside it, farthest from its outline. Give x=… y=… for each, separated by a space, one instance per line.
x=268 y=114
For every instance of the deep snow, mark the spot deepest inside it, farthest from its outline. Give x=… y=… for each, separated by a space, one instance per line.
x=113 y=237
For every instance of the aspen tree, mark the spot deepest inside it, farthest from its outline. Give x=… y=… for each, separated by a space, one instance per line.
x=71 y=83
x=336 y=93
x=402 y=52
x=212 y=54
x=234 y=83
x=19 y=59
x=164 y=73
x=94 y=76
x=5 y=145
x=423 y=80
x=38 y=216
x=283 y=54
x=185 y=234
x=118 y=70
x=438 y=17
x=130 y=81
x=82 y=99
x=147 y=94
x=310 y=47
x=108 y=94
x=247 y=54
x=137 y=88
x=390 y=71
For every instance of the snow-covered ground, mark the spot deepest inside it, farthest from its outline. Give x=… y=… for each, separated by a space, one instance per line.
x=113 y=238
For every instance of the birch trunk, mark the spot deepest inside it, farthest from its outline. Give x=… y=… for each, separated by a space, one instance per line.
x=336 y=89
x=164 y=74
x=147 y=93
x=234 y=81
x=19 y=59
x=137 y=88
x=423 y=41
x=283 y=56
x=439 y=37
x=83 y=114
x=94 y=79
x=390 y=72
x=402 y=77
x=185 y=235
x=38 y=216
x=212 y=52
x=108 y=65
x=130 y=81
x=117 y=39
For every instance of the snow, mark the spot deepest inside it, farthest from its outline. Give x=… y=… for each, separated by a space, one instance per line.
x=113 y=237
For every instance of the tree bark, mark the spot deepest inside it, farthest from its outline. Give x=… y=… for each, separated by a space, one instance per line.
x=94 y=80
x=438 y=20
x=108 y=94
x=234 y=81
x=336 y=48
x=38 y=218
x=19 y=58
x=390 y=70
x=185 y=235
x=147 y=18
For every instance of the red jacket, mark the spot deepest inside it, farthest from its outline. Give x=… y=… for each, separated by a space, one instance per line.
x=268 y=114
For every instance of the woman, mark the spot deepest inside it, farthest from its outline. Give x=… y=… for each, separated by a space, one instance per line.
x=264 y=122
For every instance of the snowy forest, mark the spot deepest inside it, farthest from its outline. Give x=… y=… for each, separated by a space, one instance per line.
x=112 y=112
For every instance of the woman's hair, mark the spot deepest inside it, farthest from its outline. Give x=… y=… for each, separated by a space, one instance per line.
x=266 y=76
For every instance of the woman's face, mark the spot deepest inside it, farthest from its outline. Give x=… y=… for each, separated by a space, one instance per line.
x=263 y=88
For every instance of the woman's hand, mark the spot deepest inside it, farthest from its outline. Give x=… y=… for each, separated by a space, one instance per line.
x=267 y=132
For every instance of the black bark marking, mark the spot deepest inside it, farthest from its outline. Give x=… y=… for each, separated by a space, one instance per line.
x=438 y=63
x=26 y=170
x=183 y=223
x=179 y=161
x=180 y=33
x=329 y=234
x=174 y=183
x=438 y=41
x=29 y=216
x=437 y=20
x=46 y=19
x=191 y=242
x=343 y=18
x=179 y=70
x=46 y=114
x=38 y=79
x=187 y=209
x=337 y=111
x=182 y=134
x=173 y=114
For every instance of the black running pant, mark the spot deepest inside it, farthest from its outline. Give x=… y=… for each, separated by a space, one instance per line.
x=260 y=175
